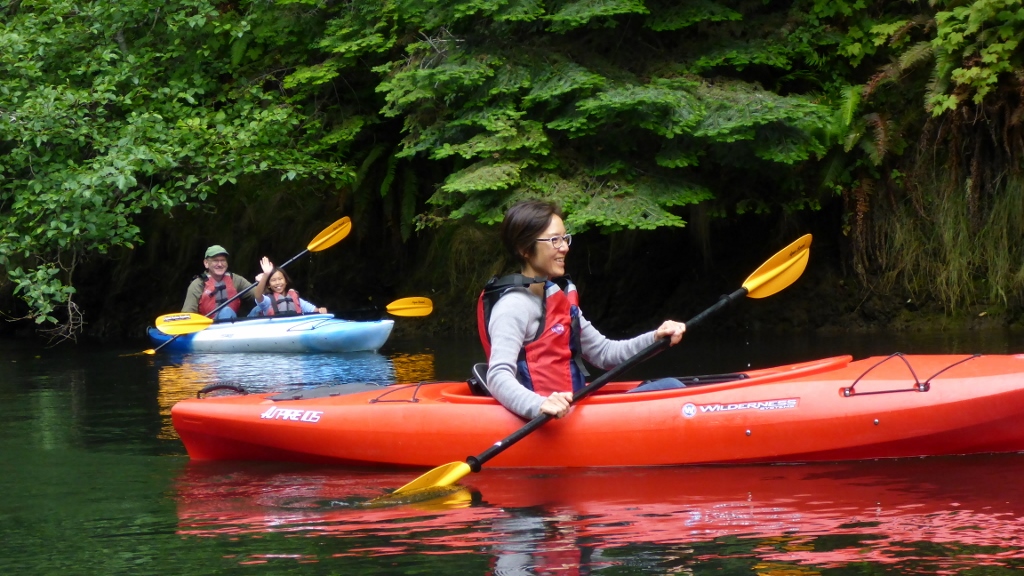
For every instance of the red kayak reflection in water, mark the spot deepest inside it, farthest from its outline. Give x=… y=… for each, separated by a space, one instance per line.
x=968 y=509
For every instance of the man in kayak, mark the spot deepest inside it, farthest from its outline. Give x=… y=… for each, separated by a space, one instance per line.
x=215 y=286
x=530 y=324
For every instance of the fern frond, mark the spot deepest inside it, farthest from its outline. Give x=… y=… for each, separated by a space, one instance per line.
x=618 y=205
x=678 y=154
x=880 y=128
x=518 y=11
x=916 y=54
x=658 y=108
x=850 y=103
x=685 y=14
x=734 y=109
x=560 y=79
x=364 y=166
x=785 y=144
x=578 y=13
x=482 y=176
x=389 y=176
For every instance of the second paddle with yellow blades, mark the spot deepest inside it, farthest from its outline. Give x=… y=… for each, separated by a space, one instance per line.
x=181 y=323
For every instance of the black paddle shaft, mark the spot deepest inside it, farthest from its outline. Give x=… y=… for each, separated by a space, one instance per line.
x=475 y=462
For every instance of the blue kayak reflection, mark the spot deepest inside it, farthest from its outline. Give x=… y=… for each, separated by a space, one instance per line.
x=269 y=372
x=181 y=376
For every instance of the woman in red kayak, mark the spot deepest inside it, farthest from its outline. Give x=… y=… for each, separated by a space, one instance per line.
x=531 y=326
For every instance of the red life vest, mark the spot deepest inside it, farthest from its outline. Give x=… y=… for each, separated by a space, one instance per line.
x=552 y=360
x=216 y=293
x=287 y=304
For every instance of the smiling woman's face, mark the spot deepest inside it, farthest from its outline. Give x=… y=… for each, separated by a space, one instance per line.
x=548 y=261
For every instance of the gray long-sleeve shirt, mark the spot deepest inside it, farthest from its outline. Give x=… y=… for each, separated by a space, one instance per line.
x=515 y=319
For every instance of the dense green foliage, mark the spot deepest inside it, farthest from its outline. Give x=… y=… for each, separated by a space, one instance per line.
x=110 y=109
x=621 y=110
x=630 y=113
x=931 y=173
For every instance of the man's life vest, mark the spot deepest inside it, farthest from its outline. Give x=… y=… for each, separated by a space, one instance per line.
x=552 y=360
x=286 y=304
x=216 y=293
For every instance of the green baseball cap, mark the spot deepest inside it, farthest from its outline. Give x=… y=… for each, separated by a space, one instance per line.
x=215 y=250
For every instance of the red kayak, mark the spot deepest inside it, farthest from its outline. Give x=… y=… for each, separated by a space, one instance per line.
x=826 y=410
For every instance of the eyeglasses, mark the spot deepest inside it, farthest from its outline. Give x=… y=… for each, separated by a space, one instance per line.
x=557 y=241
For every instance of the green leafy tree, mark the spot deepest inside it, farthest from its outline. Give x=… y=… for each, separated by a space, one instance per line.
x=623 y=111
x=632 y=114
x=109 y=109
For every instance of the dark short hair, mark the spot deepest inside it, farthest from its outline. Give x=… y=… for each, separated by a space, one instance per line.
x=523 y=222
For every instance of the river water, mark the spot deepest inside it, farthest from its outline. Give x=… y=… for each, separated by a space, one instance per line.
x=95 y=481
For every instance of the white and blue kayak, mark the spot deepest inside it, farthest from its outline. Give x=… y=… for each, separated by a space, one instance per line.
x=303 y=333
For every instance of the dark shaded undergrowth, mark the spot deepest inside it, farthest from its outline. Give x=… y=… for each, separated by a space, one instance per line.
x=629 y=281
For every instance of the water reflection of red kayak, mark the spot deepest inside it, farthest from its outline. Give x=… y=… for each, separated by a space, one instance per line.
x=962 y=501
x=826 y=410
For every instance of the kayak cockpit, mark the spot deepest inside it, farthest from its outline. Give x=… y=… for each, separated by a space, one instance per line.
x=462 y=392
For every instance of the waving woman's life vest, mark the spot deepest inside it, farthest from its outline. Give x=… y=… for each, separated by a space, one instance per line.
x=216 y=293
x=286 y=304
x=552 y=360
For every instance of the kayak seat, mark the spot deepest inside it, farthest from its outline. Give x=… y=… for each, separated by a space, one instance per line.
x=476 y=381
x=684 y=381
x=479 y=376
x=659 y=384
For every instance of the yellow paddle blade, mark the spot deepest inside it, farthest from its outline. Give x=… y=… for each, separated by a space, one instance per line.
x=331 y=235
x=149 y=352
x=781 y=270
x=412 y=306
x=432 y=498
x=182 y=323
x=438 y=477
